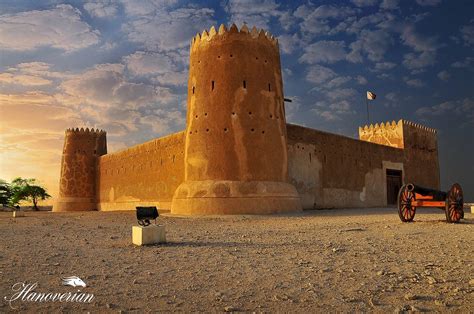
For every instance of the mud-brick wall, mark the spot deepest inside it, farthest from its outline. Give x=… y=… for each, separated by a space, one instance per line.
x=421 y=155
x=333 y=171
x=143 y=175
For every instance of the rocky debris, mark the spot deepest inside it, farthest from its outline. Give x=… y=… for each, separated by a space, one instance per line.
x=410 y=296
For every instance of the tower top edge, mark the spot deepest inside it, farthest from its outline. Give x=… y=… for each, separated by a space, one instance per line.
x=85 y=131
x=224 y=33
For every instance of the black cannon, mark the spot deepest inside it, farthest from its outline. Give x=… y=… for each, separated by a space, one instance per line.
x=412 y=196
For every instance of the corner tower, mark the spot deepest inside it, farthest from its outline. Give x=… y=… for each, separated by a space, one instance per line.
x=236 y=158
x=77 y=184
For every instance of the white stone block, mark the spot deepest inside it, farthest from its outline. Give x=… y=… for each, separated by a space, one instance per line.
x=472 y=209
x=152 y=234
x=17 y=213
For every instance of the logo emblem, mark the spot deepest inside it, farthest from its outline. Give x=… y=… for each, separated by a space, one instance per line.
x=73 y=281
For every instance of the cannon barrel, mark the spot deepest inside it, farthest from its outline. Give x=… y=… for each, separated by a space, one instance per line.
x=437 y=195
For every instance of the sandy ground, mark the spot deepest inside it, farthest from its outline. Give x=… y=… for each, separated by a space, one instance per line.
x=337 y=260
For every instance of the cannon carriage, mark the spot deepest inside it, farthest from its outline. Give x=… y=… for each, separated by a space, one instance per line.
x=411 y=197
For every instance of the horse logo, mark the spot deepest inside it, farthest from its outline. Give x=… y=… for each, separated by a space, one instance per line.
x=73 y=281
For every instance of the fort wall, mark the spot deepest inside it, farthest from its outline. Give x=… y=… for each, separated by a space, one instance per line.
x=144 y=175
x=331 y=170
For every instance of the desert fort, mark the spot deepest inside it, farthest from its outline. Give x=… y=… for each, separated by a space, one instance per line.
x=238 y=155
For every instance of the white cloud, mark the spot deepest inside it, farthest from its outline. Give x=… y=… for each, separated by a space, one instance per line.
x=324 y=51
x=252 y=12
x=169 y=30
x=444 y=75
x=317 y=21
x=374 y=44
x=319 y=74
x=142 y=63
x=105 y=8
x=428 y=2
x=288 y=43
x=146 y=7
x=60 y=28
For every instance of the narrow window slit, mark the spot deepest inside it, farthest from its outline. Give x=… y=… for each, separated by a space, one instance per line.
x=245 y=84
x=269 y=87
x=212 y=85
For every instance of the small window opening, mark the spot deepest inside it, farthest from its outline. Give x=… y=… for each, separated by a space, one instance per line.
x=193 y=89
x=245 y=84
x=269 y=87
x=212 y=85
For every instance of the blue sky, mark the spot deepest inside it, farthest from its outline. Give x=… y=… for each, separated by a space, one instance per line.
x=122 y=66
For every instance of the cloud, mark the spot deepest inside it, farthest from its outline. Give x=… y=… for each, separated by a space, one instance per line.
x=319 y=74
x=332 y=111
x=418 y=61
x=103 y=9
x=60 y=28
x=414 y=82
x=373 y=44
x=361 y=80
x=253 y=12
x=466 y=63
x=463 y=107
x=444 y=75
x=141 y=63
x=384 y=66
x=172 y=78
x=25 y=80
x=324 y=51
x=468 y=34
x=318 y=20
x=288 y=43
x=428 y=2
x=364 y=3
x=337 y=82
x=146 y=7
x=169 y=30
x=389 y=4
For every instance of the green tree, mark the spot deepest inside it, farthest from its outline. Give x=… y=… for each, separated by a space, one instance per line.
x=5 y=192
x=27 y=190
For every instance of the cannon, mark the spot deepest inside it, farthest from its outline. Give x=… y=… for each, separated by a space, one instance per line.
x=412 y=196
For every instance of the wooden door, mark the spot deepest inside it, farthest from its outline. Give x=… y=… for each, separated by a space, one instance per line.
x=394 y=183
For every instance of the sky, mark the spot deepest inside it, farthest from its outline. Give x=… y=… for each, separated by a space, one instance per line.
x=122 y=66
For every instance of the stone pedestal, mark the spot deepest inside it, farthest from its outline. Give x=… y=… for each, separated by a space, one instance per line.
x=18 y=213
x=152 y=234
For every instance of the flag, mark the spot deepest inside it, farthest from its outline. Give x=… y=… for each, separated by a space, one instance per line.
x=370 y=95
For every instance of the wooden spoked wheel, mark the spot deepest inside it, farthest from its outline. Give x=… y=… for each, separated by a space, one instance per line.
x=454 y=204
x=406 y=211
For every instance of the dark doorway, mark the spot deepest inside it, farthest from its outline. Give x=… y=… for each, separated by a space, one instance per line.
x=394 y=183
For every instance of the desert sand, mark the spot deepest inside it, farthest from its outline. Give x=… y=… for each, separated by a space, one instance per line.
x=337 y=260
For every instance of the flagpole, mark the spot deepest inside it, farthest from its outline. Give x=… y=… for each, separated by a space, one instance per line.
x=367 y=105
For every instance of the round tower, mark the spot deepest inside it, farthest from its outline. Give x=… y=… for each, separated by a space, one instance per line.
x=77 y=184
x=236 y=158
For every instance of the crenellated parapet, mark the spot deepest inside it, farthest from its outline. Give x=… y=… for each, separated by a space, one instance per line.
x=389 y=133
x=401 y=134
x=212 y=36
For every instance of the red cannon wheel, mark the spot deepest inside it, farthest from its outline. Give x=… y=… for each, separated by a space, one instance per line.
x=454 y=204
x=406 y=211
